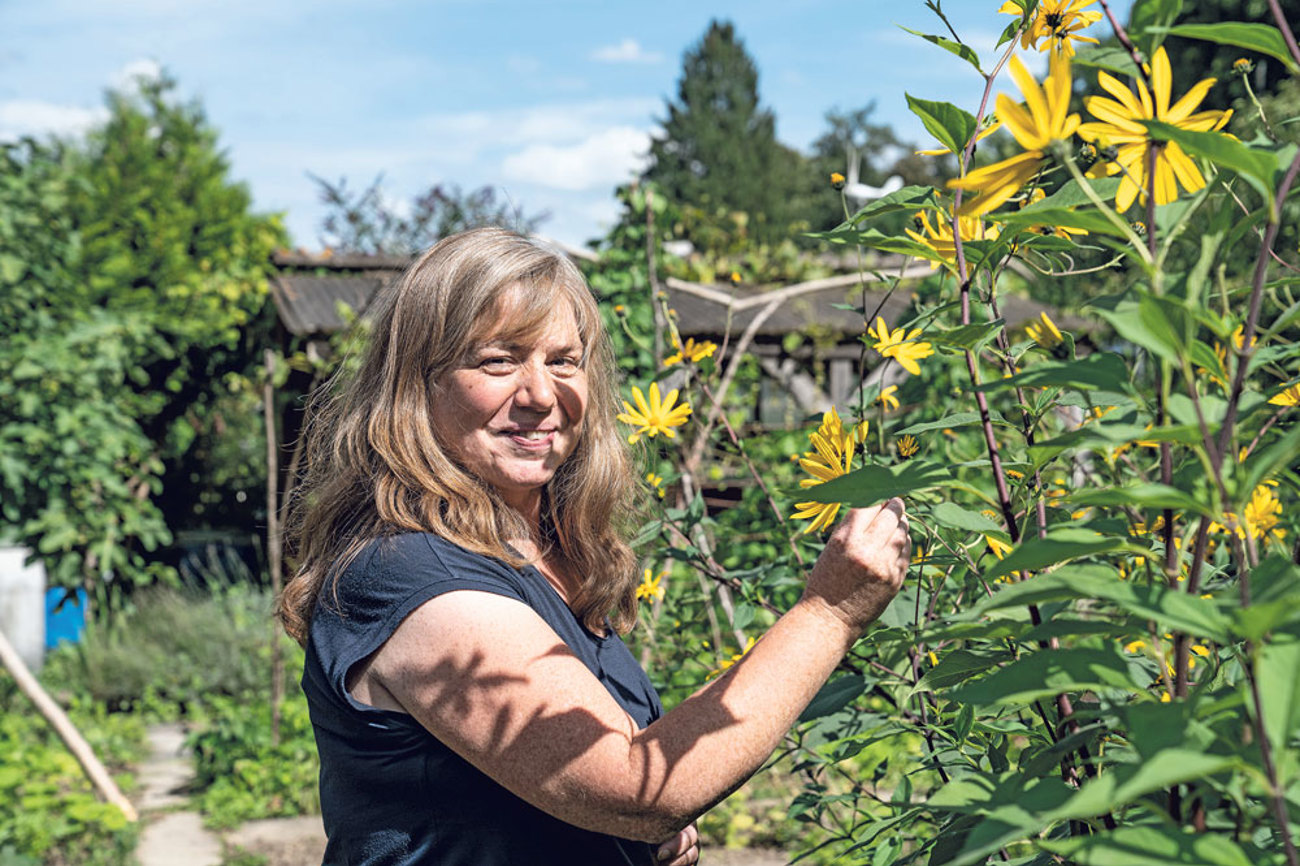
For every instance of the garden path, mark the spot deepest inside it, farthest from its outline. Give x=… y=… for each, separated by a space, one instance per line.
x=171 y=836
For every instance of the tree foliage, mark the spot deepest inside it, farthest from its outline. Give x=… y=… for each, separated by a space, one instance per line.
x=368 y=222
x=718 y=153
x=133 y=275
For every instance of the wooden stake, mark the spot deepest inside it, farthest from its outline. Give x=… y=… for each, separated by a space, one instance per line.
x=67 y=731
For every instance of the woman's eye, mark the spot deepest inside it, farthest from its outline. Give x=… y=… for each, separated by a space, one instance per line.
x=498 y=362
x=565 y=366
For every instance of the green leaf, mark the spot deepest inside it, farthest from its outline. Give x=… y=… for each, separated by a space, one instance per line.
x=1035 y=553
x=956 y=667
x=1261 y=38
x=834 y=696
x=909 y=198
x=953 y=515
x=1124 y=784
x=1071 y=195
x=965 y=52
x=1148 y=846
x=872 y=484
x=1279 y=691
x=1151 y=18
x=1149 y=495
x=952 y=126
x=1143 y=324
x=1061 y=217
x=958 y=419
x=1047 y=673
x=1100 y=371
x=1111 y=58
x=12 y=268
x=971 y=337
x=1170 y=608
x=1280 y=454
x=1256 y=166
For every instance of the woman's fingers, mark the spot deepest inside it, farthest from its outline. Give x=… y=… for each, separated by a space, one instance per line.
x=681 y=850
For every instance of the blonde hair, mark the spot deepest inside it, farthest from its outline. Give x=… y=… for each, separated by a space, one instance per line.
x=375 y=466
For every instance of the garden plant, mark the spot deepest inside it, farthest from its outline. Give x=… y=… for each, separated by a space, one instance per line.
x=1094 y=660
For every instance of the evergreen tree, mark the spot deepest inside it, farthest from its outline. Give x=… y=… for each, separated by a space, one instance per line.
x=717 y=153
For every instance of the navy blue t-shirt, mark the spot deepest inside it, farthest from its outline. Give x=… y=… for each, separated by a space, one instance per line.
x=391 y=792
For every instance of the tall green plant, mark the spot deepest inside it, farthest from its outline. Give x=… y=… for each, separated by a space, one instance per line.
x=132 y=273
x=1097 y=649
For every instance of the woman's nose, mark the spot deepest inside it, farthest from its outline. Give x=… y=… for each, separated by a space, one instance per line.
x=536 y=390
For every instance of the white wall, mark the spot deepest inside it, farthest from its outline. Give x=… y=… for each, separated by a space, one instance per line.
x=22 y=604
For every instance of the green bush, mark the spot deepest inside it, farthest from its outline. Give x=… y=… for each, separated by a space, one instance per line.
x=243 y=776
x=53 y=815
x=213 y=645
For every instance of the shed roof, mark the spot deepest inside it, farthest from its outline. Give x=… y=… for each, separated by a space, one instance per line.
x=308 y=300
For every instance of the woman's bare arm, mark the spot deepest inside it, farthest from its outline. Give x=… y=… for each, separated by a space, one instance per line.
x=488 y=677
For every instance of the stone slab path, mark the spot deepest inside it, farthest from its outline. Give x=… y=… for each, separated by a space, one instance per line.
x=171 y=836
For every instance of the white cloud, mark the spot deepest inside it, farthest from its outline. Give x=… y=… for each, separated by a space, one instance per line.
x=605 y=158
x=627 y=51
x=35 y=117
x=144 y=69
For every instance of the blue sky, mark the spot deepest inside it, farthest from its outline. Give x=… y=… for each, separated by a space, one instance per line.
x=550 y=103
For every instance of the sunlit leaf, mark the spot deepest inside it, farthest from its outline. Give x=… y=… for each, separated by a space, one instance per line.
x=965 y=52
x=1150 y=845
x=952 y=126
x=1049 y=672
x=872 y=484
x=1262 y=38
x=1255 y=166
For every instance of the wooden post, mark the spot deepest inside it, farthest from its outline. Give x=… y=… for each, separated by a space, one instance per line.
x=67 y=731
x=273 y=539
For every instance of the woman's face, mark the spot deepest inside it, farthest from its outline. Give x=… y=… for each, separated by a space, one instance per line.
x=512 y=412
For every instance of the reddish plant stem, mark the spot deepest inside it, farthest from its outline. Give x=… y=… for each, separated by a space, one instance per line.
x=1276 y=8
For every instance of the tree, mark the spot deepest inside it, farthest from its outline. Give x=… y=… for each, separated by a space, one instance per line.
x=367 y=222
x=717 y=151
x=134 y=279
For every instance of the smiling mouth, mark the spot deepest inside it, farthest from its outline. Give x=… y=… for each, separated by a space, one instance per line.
x=530 y=435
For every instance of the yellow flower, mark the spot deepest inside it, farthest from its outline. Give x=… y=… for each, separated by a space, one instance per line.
x=934 y=659
x=654 y=416
x=837 y=180
x=1290 y=396
x=1259 y=517
x=887 y=398
x=903 y=349
x=938 y=237
x=1058 y=22
x=1043 y=118
x=908 y=446
x=1242 y=66
x=1134 y=646
x=831 y=457
x=1119 y=125
x=860 y=431
x=620 y=310
x=999 y=547
x=735 y=278
x=727 y=663
x=692 y=351
x=1239 y=338
x=651 y=587
x=657 y=482
x=1046 y=334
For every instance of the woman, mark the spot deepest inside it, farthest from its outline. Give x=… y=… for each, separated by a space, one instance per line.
x=463 y=576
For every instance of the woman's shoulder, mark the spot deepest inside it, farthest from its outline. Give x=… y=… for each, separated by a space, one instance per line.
x=403 y=562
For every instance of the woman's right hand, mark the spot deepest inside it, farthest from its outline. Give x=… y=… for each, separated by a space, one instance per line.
x=864 y=564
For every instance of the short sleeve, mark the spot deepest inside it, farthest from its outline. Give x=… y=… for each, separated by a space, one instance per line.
x=390 y=579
